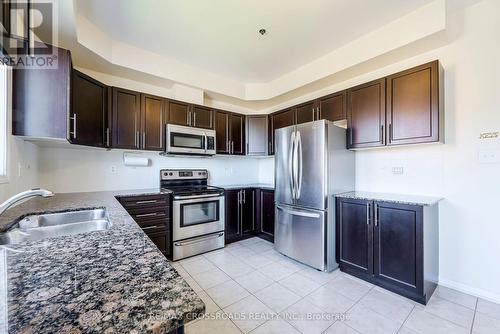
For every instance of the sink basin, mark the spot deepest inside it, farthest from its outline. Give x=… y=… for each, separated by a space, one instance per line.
x=37 y=227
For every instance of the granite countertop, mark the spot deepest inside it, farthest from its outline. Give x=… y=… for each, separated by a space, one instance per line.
x=394 y=198
x=113 y=281
x=248 y=185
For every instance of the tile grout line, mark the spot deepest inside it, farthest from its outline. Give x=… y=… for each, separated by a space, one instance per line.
x=407 y=317
x=474 y=316
x=353 y=305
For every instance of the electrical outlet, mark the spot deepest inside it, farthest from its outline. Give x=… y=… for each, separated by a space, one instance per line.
x=489 y=156
x=398 y=170
x=114 y=169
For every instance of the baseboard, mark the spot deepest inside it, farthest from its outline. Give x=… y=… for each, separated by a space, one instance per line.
x=492 y=297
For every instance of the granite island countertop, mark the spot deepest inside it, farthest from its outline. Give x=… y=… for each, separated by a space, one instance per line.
x=393 y=198
x=113 y=281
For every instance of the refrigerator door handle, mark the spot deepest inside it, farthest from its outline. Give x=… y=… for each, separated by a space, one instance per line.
x=290 y=164
x=298 y=213
x=299 y=163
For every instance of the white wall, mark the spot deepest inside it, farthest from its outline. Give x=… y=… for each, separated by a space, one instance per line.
x=469 y=215
x=77 y=169
x=22 y=160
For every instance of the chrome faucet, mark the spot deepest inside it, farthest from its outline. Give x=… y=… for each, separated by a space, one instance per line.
x=25 y=194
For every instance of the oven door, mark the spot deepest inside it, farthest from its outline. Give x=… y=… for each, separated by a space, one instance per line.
x=186 y=140
x=197 y=215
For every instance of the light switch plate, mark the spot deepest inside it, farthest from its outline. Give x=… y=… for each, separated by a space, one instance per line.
x=489 y=156
x=398 y=170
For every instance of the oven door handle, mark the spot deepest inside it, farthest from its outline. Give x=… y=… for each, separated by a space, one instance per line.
x=197 y=196
x=198 y=239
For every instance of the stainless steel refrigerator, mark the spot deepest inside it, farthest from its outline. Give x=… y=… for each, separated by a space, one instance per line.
x=311 y=165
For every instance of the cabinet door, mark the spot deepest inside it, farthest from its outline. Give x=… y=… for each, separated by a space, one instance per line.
x=366 y=115
x=89 y=111
x=280 y=120
x=267 y=212
x=179 y=113
x=237 y=123
x=202 y=117
x=333 y=107
x=221 y=125
x=153 y=123
x=233 y=215
x=248 y=211
x=413 y=105
x=161 y=240
x=256 y=135
x=126 y=118
x=355 y=234
x=306 y=112
x=398 y=244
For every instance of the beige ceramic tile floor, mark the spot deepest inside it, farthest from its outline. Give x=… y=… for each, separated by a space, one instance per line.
x=248 y=287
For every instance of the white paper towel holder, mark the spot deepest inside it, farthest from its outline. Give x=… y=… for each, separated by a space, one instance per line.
x=135 y=160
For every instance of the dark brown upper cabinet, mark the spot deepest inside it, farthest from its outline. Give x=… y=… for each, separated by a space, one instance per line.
x=256 y=135
x=126 y=110
x=178 y=113
x=190 y=115
x=230 y=133
x=306 y=112
x=41 y=100
x=152 y=123
x=413 y=112
x=221 y=126
x=89 y=112
x=333 y=107
x=202 y=117
x=366 y=115
x=279 y=120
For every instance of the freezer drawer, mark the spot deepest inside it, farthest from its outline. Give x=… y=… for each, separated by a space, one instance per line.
x=300 y=234
x=198 y=245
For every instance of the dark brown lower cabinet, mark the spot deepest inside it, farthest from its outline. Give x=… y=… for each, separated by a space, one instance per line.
x=152 y=213
x=384 y=243
x=240 y=214
x=265 y=214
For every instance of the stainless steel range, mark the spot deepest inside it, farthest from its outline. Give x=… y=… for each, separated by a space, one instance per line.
x=198 y=212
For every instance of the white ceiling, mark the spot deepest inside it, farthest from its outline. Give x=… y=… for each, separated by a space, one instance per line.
x=221 y=36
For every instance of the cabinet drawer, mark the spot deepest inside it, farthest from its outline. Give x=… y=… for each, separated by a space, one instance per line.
x=154 y=226
x=145 y=201
x=148 y=214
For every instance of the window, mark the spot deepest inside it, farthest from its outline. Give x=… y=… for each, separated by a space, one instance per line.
x=3 y=122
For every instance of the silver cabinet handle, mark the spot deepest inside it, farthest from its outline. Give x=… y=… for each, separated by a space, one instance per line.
x=244 y=196
x=194 y=118
x=239 y=196
x=144 y=139
x=382 y=134
x=146 y=202
x=150 y=227
x=390 y=132
x=376 y=217
x=148 y=215
x=299 y=213
x=188 y=114
x=367 y=213
x=107 y=137
x=74 y=126
x=232 y=147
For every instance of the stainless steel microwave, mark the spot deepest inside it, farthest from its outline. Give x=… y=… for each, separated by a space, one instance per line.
x=187 y=140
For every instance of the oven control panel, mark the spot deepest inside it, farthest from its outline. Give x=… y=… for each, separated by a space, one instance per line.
x=183 y=174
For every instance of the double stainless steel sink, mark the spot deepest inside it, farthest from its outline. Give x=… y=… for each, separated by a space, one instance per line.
x=37 y=227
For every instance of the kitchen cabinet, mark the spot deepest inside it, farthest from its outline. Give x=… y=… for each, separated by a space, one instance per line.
x=256 y=135
x=89 y=112
x=153 y=215
x=41 y=100
x=187 y=114
x=152 y=123
x=366 y=115
x=126 y=110
x=230 y=133
x=279 y=120
x=384 y=243
x=413 y=111
x=265 y=213
x=306 y=112
x=240 y=213
x=333 y=107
